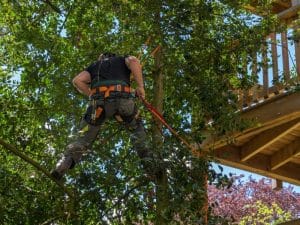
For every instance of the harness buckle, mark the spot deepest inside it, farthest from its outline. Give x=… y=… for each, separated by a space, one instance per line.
x=118 y=87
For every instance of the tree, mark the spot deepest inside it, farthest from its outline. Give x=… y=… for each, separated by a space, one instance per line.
x=247 y=202
x=45 y=43
x=265 y=214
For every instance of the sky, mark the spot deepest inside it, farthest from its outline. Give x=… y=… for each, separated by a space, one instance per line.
x=247 y=174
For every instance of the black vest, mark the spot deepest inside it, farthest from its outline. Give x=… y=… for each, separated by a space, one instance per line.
x=109 y=71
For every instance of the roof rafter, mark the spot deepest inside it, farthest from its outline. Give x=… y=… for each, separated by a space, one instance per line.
x=259 y=164
x=265 y=139
x=284 y=155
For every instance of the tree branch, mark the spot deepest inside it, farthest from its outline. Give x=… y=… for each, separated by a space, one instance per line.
x=126 y=195
x=55 y=8
x=66 y=17
x=49 y=221
x=16 y=152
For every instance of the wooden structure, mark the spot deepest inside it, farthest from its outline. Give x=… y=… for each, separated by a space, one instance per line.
x=272 y=147
x=293 y=222
x=285 y=9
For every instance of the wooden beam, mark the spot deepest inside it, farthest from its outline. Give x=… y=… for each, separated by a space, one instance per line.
x=214 y=142
x=274 y=108
x=290 y=12
x=284 y=155
x=265 y=139
x=260 y=164
x=285 y=3
x=289 y=170
x=295 y=117
x=277 y=7
x=230 y=155
x=276 y=184
x=272 y=112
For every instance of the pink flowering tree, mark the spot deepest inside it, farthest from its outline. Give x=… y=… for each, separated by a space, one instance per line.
x=240 y=200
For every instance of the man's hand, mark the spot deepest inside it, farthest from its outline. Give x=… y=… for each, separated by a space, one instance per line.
x=140 y=91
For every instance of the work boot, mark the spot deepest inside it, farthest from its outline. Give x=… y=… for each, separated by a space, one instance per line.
x=62 y=167
x=56 y=175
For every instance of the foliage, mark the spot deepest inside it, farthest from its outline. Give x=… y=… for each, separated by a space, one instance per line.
x=265 y=214
x=44 y=44
x=251 y=201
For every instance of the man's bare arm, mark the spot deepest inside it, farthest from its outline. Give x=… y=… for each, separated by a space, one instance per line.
x=82 y=82
x=134 y=65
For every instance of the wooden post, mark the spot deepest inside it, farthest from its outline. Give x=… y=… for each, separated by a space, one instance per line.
x=275 y=62
x=285 y=57
x=297 y=54
x=246 y=97
x=265 y=71
x=276 y=184
x=254 y=74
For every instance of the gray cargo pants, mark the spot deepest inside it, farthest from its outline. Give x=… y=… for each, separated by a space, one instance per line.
x=125 y=108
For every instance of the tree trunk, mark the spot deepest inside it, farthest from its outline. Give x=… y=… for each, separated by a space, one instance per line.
x=202 y=175
x=161 y=179
x=162 y=198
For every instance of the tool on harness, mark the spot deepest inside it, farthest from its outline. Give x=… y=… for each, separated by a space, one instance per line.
x=94 y=111
x=97 y=110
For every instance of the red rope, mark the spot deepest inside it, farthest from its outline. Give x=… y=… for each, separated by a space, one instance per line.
x=155 y=113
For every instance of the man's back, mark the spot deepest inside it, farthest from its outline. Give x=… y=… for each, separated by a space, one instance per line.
x=108 y=71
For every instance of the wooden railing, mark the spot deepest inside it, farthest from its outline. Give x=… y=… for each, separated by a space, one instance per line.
x=277 y=68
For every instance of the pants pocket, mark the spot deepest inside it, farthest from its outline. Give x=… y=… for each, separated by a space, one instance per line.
x=126 y=107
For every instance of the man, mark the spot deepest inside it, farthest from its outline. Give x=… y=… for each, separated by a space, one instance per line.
x=107 y=83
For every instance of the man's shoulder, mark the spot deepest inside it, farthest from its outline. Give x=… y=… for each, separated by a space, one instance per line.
x=92 y=65
x=92 y=68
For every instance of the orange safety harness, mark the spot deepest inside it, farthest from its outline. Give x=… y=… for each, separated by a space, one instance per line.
x=97 y=110
x=107 y=89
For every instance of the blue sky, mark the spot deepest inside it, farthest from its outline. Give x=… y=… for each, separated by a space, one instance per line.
x=247 y=174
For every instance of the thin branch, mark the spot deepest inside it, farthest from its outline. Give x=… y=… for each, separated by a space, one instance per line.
x=126 y=195
x=50 y=220
x=16 y=152
x=55 y=8
x=66 y=17
x=2 y=34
